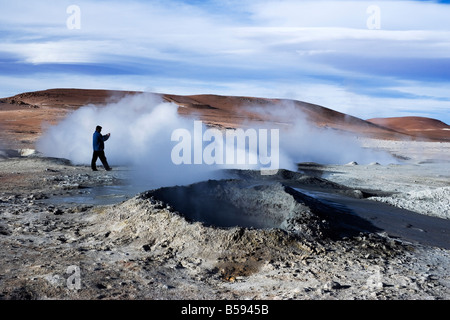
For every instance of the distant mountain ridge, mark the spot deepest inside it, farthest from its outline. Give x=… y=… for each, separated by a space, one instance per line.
x=23 y=114
x=417 y=126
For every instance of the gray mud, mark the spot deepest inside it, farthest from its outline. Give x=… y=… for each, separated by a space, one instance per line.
x=249 y=237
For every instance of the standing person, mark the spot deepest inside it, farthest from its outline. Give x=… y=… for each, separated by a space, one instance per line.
x=99 y=146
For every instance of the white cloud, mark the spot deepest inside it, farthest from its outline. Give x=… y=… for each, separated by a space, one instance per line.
x=270 y=48
x=165 y=30
x=394 y=15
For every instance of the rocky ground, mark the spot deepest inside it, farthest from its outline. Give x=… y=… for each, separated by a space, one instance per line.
x=153 y=246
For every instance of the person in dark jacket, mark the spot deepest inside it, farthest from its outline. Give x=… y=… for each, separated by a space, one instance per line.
x=99 y=146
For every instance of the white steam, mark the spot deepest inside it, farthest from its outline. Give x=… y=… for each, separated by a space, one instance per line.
x=141 y=128
x=302 y=141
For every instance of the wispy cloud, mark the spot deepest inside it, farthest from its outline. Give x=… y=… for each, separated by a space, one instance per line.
x=319 y=51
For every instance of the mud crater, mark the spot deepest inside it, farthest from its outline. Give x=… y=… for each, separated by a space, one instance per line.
x=235 y=203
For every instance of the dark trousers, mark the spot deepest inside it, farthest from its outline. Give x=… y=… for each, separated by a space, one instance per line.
x=96 y=155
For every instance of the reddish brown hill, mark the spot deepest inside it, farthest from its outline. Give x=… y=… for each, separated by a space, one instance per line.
x=65 y=98
x=22 y=117
x=232 y=111
x=416 y=126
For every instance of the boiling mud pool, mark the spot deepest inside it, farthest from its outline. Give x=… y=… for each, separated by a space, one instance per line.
x=200 y=205
x=99 y=195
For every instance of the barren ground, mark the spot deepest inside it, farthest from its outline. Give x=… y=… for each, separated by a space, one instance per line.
x=324 y=232
x=148 y=247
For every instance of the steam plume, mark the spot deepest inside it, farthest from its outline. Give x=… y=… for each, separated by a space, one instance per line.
x=141 y=127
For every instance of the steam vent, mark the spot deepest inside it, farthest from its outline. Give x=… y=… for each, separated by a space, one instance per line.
x=271 y=205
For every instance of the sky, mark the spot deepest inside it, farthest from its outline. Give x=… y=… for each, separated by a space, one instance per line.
x=364 y=58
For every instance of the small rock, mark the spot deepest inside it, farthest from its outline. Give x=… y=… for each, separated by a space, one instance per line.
x=332 y=285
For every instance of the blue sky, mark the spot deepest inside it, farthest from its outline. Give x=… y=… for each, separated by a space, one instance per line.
x=367 y=59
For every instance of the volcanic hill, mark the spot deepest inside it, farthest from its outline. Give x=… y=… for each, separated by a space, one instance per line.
x=24 y=117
